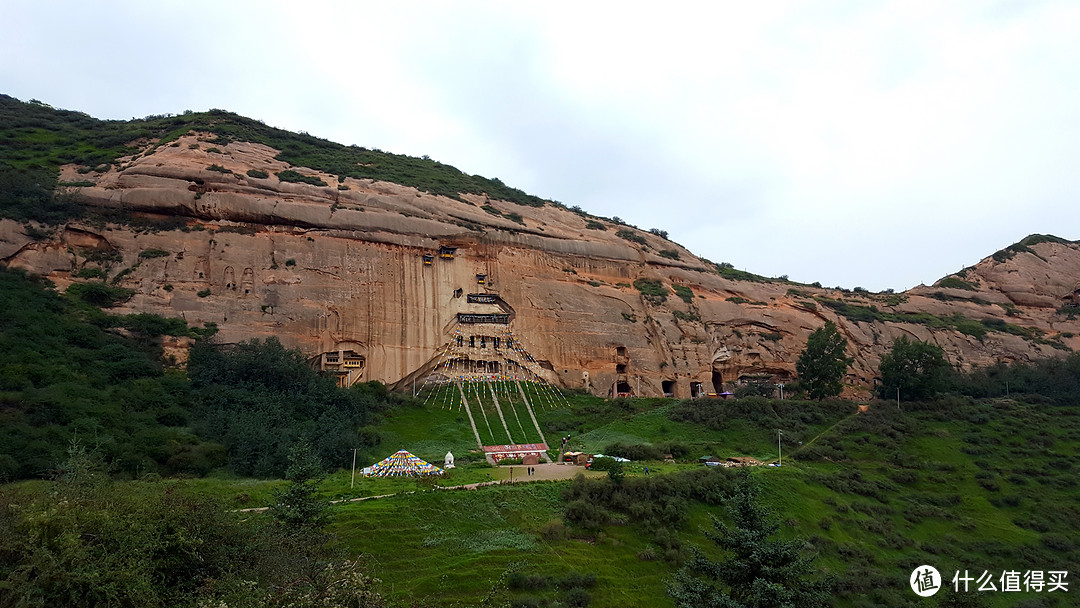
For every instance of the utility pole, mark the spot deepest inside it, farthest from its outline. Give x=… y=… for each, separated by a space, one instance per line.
x=898 y=397
x=781 y=385
x=779 y=450
x=353 y=482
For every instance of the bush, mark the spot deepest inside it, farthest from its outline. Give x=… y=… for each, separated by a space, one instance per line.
x=519 y=581
x=677 y=449
x=956 y=283
x=594 y=225
x=577 y=597
x=639 y=451
x=652 y=290
x=586 y=515
x=218 y=168
x=289 y=175
x=686 y=316
x=153 y=253
x=684 y=292
x=257 y=173
x=670 y=254
x=631 y=236
x=98 y=293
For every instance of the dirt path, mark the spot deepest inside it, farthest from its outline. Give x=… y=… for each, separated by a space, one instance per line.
x=541 y=472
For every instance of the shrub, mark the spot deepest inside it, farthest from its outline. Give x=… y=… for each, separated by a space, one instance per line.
x=218 y=168
x=520 y=581
x=289 y=175
x=97 y=293
x=594 y=225
x=631 y=236
x=637 y=451
x=683 y=292
x=89 y=272
x=577 y=597
x=675 y=448
x=653 y=290
x=257 y=173
x=153 y=253
x=586 y=514
x=203 y=293
x=603 y=464
x=671 y=254
x=290 y=262
x=553 y=531
x=686 y=316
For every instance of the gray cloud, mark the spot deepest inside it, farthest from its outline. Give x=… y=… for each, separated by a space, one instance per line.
x=880 y=145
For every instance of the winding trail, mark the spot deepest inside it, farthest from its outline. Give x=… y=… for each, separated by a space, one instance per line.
x=543 y=472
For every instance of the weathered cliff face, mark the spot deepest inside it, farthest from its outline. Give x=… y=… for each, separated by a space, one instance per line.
x=342 y=268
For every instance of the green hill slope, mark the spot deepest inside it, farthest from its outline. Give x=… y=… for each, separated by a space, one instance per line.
x=36 y=139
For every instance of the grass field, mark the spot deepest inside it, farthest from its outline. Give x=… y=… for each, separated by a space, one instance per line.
x=972 y=485
x=958 y=484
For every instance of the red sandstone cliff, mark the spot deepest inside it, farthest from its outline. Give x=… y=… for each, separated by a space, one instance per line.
x=329 y=268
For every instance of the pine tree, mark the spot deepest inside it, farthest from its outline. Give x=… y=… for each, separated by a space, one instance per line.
x=758 y=572
x=297 y=505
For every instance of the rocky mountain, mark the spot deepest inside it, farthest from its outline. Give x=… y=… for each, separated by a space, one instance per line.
x=229 y=230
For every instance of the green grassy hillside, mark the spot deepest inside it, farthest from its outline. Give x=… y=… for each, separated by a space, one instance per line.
x=963 y=484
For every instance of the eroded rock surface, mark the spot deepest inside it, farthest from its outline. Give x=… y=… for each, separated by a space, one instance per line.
x=341 y=267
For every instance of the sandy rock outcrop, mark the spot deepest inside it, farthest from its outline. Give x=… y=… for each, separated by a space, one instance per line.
x=342 y=267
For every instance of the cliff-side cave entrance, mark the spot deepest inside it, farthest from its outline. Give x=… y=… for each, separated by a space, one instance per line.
x=669 y=388
x=622 y=389
x=695 y=390
x=717 y=382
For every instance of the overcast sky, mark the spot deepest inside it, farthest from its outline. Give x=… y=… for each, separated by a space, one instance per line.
x=854 y=143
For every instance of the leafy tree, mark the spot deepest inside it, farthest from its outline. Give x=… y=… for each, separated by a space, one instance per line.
x=298 y=506
x=758 y=572
x=257 y=398
x=822 y=364
x=919 y=369
x=85 y=540
x=31 y=194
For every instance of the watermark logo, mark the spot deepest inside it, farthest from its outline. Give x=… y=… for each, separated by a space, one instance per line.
x=925 y=581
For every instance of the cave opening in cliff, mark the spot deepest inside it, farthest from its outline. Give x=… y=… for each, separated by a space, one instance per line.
x=622 y=389
x=620 y=368
x=695 y=390
x=620 y=351
x=717 y=382
x=669 y=388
